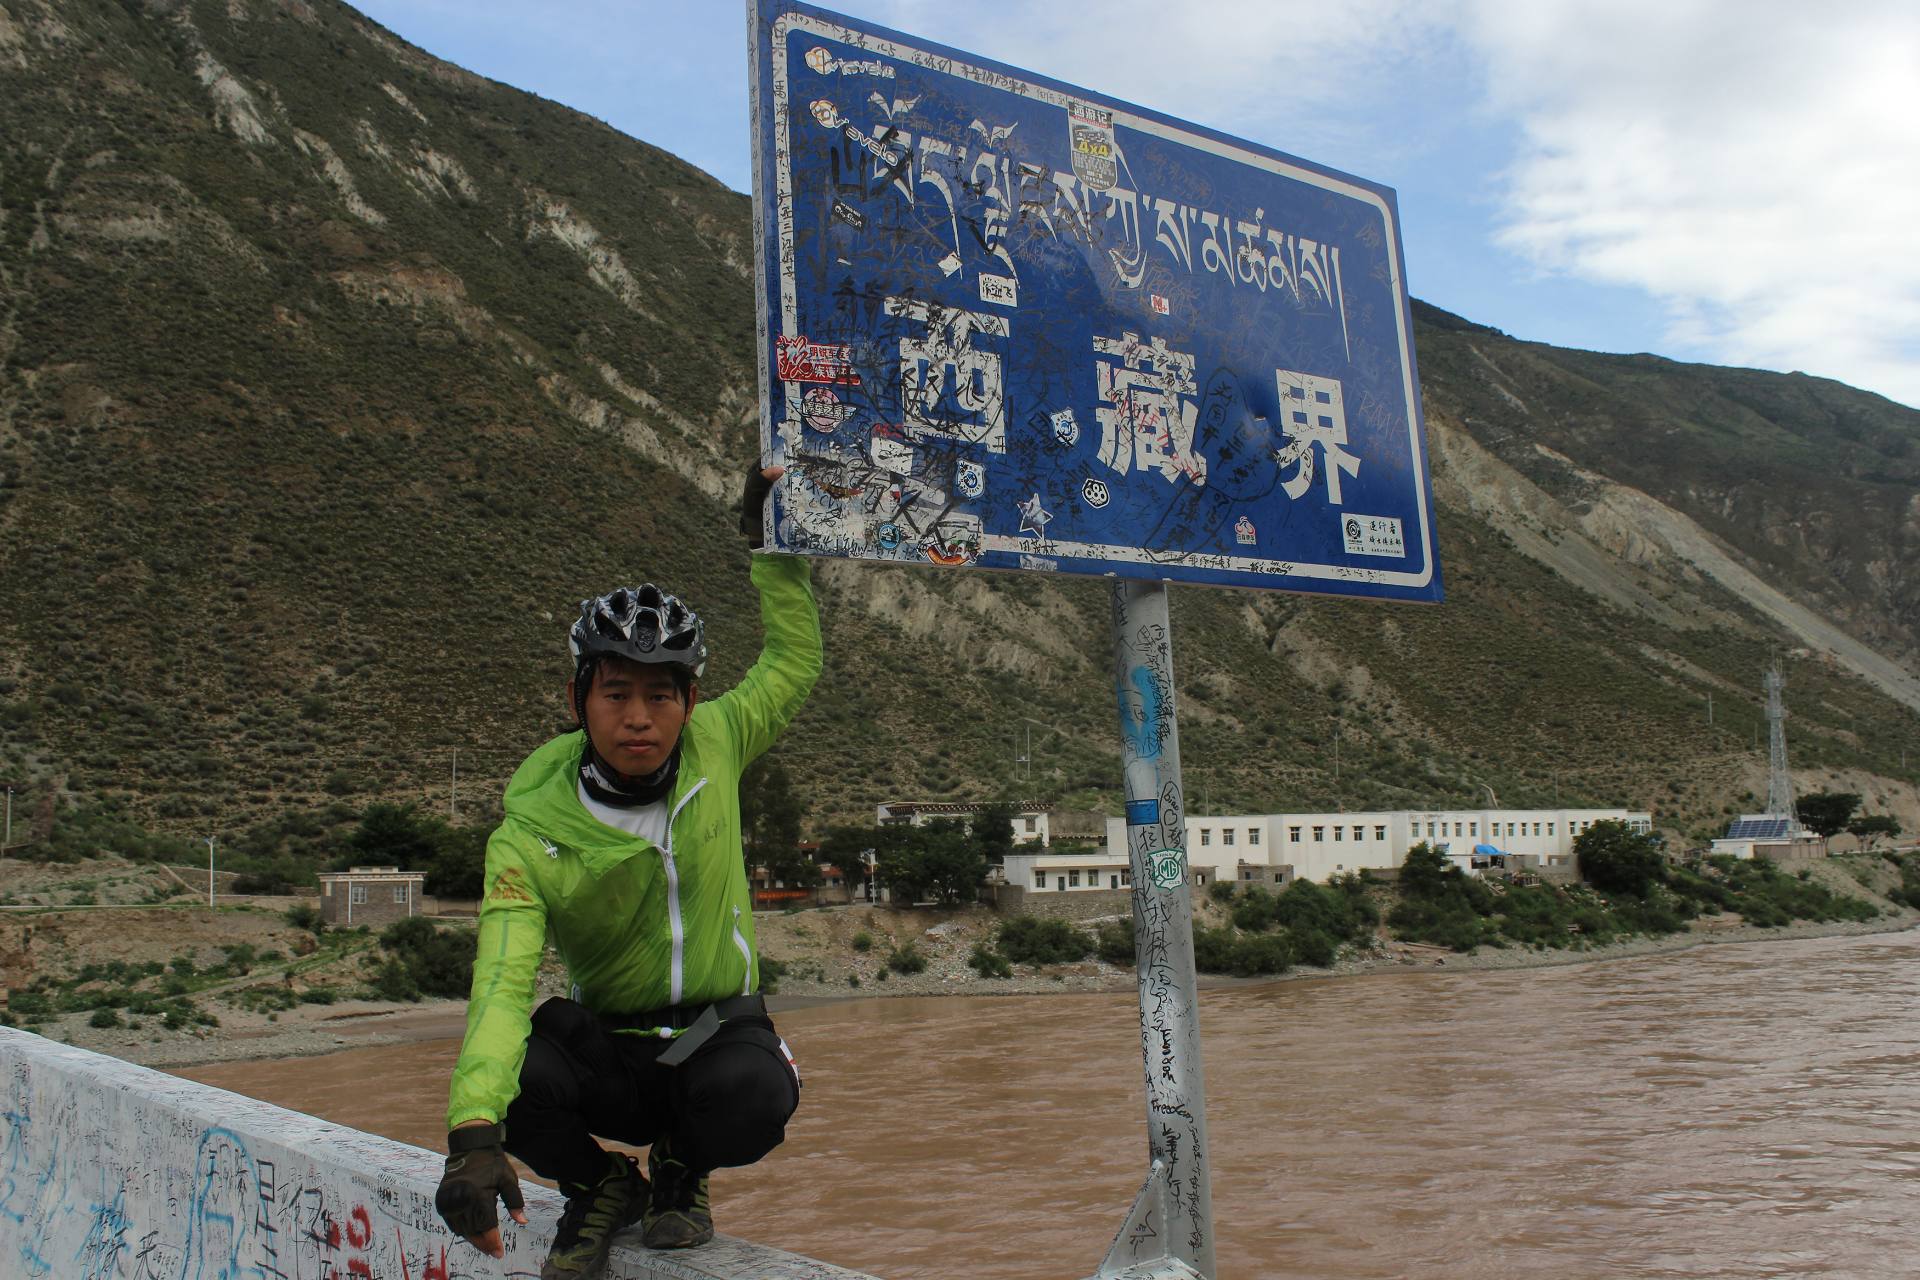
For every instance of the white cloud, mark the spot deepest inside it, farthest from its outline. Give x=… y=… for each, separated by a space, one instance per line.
x=1285 y=72
x=1751 y=165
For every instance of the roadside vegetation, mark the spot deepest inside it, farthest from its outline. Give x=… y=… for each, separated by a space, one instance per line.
x=176 y=995
x=1629 y=889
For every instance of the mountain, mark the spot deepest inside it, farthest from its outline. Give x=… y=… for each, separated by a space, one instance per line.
x=332 y=376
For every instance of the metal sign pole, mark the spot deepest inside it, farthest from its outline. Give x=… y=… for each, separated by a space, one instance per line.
x=1169 y=1232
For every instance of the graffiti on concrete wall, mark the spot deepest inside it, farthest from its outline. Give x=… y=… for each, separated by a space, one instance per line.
x=110 y=1171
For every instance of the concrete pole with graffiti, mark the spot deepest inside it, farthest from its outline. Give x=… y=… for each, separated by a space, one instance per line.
x=1169 y=1232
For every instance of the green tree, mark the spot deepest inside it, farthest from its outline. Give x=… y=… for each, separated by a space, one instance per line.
x=1424 y=872
x=1827 y=813
x=992 y=831
x=1868 y=828
x=396 y=834
x=1615 y=858
x=937 y=861
x=953 y=864
x=900 y=862
x=438 y=962
x=771 y=815
x=457 y=866
x=847 y=847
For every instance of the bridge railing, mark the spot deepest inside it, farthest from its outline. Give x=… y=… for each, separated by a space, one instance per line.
x=111 y=1171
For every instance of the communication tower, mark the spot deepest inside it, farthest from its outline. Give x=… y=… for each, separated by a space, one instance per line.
x=1779 y=781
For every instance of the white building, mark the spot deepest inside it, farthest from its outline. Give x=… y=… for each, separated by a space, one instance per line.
x=1320 y=845
x=1057 y=871
x=1029 y=817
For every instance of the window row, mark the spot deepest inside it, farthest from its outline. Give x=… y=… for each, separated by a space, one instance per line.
x=1071 y=879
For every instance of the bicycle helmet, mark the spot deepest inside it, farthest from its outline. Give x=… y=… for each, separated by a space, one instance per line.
x=642 y=624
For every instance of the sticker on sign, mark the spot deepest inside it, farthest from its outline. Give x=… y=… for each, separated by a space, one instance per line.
x=1373 y=536
x=999 y=289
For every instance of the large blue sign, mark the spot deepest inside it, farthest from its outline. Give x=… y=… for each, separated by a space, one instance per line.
x=1009 y=323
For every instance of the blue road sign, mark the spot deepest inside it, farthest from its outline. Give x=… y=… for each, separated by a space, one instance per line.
x=1013 y=324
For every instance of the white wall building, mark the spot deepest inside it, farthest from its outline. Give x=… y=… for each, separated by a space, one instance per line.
x=1320 y=845
x=1029 y=818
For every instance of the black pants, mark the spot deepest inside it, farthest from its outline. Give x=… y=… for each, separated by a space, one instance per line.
x=726 y=1105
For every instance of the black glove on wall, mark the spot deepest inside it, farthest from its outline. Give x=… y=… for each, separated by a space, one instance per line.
x=478 y=1172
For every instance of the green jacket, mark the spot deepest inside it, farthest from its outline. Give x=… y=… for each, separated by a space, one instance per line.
x=638 y=926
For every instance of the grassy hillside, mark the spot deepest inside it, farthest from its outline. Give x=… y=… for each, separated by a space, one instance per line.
x=332 y=376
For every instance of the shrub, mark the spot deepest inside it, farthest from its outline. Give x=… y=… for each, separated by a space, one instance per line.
x=437 y=962
x=1032 y=940
x=1221 y=890
x=306 y=917
x=907 y=959
x=30 y=1004
x=771 y=971
x=1261 y=953
x=1113 y=942
x=863 y=942
x=989 y=963
x=104 y=1018
x=1213 y=950
x=392 y=981
x=1312 y=946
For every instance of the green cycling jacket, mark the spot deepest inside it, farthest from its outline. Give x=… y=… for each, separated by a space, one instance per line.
x=638 y=926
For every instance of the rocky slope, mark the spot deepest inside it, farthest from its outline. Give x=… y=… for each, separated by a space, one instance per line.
x=332 y=375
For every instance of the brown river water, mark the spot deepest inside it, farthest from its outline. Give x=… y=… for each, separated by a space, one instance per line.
x=1735 y=1110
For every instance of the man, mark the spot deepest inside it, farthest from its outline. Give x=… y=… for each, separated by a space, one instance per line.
x=621 y=845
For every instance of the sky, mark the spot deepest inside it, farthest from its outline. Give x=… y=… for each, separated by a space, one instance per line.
x=1735 y=182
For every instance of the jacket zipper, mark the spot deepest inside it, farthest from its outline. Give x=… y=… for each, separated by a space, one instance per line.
x=746 y=953
x=673 y=900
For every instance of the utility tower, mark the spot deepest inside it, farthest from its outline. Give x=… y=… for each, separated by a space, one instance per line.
x=1779 y=781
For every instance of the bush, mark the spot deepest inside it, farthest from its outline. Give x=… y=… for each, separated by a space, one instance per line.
x=1113 y=942
x=392 y=981
x=437 y=962
x=1614 y=858
x=30 y=1004
x=1213 y=950
x=104 y=1018
x=907 y=959
x=771 y=971
x=1032 y=940
x=863 y=942
x=1261 y=953
x=1221 y=890
x=989 y=963
x=308 y=918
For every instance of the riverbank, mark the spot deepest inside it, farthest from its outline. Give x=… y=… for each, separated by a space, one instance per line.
x=309 y=1030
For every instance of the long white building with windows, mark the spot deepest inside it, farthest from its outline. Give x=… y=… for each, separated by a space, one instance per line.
x=1318 y=846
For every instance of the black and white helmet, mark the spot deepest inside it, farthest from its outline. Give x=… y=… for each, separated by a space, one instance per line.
x=643 y=624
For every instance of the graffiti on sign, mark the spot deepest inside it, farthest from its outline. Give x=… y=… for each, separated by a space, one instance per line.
x=1192 y=352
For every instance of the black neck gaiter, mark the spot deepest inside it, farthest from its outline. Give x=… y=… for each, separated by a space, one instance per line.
x=614 y=789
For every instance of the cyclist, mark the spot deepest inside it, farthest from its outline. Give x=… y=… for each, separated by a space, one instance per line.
x=621 y=846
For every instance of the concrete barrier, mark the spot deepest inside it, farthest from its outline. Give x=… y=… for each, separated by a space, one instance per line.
x=110 y=1171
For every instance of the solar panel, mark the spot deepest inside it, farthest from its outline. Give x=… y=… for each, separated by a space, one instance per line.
x=1759 y=829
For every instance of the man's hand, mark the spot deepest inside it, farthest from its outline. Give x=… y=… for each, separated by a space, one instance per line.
x=753 y=501
x=478 y=1171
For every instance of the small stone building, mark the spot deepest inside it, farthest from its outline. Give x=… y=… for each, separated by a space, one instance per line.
x=371 y=896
